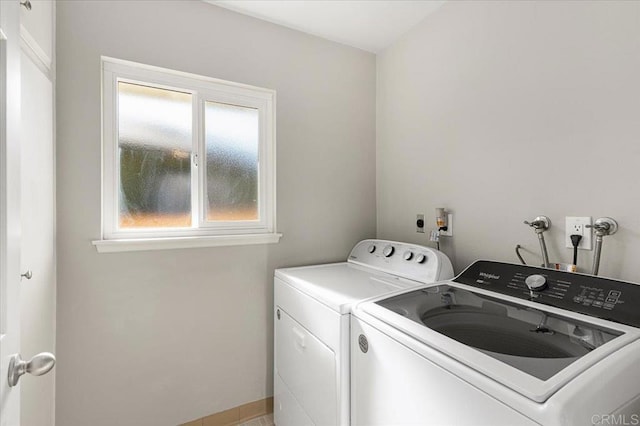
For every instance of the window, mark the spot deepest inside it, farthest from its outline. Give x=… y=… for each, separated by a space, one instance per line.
x=185 y=156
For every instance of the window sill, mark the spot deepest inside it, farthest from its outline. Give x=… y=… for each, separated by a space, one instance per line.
x=144 y=244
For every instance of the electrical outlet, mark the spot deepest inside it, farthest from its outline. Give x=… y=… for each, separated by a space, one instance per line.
x=578 y=226
x=420 y=223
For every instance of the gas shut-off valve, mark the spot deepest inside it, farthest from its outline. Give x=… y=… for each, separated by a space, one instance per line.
x=444 y=223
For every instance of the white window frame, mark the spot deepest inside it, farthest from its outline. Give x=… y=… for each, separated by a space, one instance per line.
x=202 y=233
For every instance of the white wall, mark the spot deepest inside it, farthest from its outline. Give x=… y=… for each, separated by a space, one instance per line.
x=157 y=338
x=502 y=111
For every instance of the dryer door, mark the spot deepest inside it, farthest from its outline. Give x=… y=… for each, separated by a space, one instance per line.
x=307 y=368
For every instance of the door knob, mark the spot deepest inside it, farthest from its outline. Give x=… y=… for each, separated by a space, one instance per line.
x=28 y=275
x=38 y=365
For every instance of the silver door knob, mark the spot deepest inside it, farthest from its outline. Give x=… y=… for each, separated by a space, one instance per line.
x=38 y=365
x=28 y=275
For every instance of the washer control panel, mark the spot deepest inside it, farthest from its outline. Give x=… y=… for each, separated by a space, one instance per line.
x=410 y=261
x=599 y=297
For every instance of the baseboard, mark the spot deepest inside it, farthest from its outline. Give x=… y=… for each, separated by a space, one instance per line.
x=235 y=416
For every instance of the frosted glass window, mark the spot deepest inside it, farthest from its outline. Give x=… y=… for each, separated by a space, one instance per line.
x=231 y=138
x=154 y=147
x=185 y=156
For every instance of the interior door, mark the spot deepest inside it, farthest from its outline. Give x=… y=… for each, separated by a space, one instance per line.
x=27 y=243
x=10 y=222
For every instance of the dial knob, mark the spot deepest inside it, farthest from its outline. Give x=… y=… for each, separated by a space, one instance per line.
x=408 y=255
x=536 y=282
x=421 y=258
x=388 y=251
x=372 y=248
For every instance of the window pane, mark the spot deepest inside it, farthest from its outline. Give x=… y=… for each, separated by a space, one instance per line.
x=232 y=162
x=154 y=140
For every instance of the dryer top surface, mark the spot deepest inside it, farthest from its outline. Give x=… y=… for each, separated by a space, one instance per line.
x=339 y=285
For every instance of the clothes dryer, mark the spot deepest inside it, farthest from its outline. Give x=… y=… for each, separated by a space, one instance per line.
x=312 y=312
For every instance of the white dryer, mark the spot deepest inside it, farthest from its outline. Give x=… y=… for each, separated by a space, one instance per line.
x=501 y=344
x=312 y=306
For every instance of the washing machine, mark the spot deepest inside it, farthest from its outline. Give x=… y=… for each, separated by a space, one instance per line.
x=311 y=324
x=500 y=344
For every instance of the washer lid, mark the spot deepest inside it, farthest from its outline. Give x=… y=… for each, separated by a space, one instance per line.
x=529 y=347
x=536 y=342
x=340 y=285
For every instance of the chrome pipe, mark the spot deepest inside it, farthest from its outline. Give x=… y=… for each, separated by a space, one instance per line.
x=543 y=250
x=596 y=255
x=539 y=225
x=602 y=227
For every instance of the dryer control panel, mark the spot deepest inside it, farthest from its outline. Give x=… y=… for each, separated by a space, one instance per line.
x=599 y=297
x=411 y=261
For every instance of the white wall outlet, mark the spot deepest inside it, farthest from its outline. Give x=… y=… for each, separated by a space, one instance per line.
x=420 y=223
x=578 y=226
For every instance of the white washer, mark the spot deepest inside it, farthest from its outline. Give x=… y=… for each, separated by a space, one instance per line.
x=312 y=310
x=501 y=344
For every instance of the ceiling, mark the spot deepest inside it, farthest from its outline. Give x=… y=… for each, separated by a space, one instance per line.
x=370 y=25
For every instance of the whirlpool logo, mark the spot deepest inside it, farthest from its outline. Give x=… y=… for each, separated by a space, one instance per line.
x=489 y=276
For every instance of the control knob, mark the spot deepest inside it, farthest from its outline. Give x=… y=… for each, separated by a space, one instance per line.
x=388 y=251
x=536 y=282
x=421 y=258
x=408 y=255
x=372 y=248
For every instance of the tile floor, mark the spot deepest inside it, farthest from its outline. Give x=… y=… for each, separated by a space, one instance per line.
x=260 y=421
